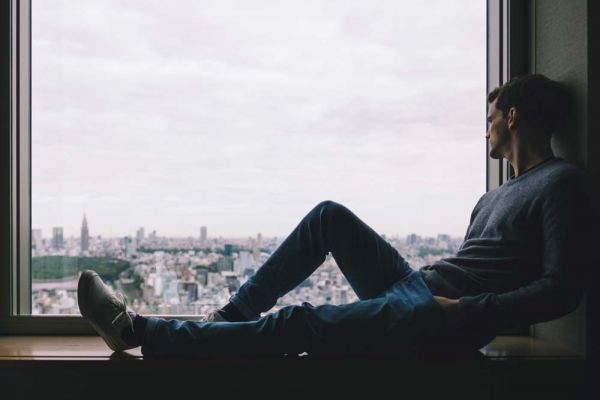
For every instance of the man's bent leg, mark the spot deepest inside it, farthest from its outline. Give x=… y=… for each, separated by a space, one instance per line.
x=385 y=326
x=369 y=263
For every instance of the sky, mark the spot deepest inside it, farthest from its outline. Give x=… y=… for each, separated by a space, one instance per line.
x=243 y=115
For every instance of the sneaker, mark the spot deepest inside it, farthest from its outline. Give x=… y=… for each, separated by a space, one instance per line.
x=106 y=311
x=214 y=316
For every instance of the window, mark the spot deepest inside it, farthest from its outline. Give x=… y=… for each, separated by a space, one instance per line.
x=175 y=146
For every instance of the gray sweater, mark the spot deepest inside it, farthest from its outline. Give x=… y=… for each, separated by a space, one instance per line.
x=525 y=252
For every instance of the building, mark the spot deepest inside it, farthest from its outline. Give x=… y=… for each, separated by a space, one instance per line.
x=57 y=238
x=243 y=262
x=139 y=235
x=85 y=235
x=443 y=241
x=129 y=246
x=36 y=239
x=203 y=234
x=225 y=263
x=413 y=239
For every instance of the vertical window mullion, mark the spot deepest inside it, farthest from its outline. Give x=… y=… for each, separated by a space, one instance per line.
x=495 y=76
x=23 y=258
x=12 y=306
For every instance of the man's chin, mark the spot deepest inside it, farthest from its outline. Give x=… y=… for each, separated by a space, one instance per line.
x=495 y=155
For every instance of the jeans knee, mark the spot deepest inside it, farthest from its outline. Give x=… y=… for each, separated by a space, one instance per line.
x=331 y=207
x=325 y=204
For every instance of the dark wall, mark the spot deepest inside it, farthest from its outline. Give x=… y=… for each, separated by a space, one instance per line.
x=593 y=167
x=559 y=31
x=562 y=48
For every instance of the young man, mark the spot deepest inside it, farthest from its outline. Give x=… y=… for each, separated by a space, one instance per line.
x=522 y=261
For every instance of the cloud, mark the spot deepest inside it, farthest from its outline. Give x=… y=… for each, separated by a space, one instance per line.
x=243 y=115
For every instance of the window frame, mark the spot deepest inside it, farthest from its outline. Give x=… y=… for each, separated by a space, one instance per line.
x=509 y=48
x=504 y=58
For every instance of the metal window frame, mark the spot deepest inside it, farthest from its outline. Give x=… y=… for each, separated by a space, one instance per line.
x=15 y=278
x=503 y=61
x=15 y=178
x=509 y=54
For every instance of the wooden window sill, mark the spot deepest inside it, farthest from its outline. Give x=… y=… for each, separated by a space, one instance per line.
x=94 y=348
x=78 y=366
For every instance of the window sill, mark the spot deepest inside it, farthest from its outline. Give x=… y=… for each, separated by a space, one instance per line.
x=90 y=348
x=77 y=366
x=93 y=348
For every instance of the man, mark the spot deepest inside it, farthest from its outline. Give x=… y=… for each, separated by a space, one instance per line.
x=522 y=261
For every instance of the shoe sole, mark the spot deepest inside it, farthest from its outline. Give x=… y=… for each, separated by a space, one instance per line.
x=82 y=288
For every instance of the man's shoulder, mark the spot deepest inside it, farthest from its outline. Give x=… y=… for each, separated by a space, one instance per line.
x=562 y=167
x=558 y=174
x=563 y=174
x=568 y=185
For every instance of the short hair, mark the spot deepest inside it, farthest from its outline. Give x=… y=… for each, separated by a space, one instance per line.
x=542 y=102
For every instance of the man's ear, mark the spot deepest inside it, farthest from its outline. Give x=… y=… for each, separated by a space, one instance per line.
x=512 y=119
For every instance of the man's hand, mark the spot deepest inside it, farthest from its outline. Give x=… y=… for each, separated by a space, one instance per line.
x=450 y=306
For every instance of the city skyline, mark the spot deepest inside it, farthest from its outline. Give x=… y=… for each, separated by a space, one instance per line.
x=189 y=276
x=167 y=275
x=37 y=234
x=242 y=116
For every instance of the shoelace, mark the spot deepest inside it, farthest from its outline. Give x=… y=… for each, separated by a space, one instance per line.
x=120 y=302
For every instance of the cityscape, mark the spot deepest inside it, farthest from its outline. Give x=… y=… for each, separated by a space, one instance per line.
x=188 y=276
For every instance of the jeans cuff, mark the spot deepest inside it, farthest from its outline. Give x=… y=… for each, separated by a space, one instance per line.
x=149 y=331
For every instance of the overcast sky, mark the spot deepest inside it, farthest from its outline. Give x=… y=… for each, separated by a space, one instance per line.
x=243 y=115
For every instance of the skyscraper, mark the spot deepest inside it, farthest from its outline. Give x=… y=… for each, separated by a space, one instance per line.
x=57 y=237
x=257 y=248
x=203 y=234
x=413 y=239
x=139 y=236
x=85 y=235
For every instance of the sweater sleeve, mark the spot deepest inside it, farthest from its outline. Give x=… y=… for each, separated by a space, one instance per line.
x=559 y=289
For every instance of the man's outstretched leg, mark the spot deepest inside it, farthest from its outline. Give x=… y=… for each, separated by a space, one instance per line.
x=369 y=263
x=389 y=325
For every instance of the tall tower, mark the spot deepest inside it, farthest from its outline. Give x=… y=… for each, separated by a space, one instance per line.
x=85 y=235
x=203 y=235
x=57 y=237
x=139 y=236
x=257 y=247
x=259 y=240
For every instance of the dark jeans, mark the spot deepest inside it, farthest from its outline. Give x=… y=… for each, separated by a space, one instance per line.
x=396 y=313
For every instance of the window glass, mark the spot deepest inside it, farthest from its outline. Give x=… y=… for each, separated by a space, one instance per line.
x=175 y=144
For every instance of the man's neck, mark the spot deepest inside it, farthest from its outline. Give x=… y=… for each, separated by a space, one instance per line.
x=525 y=158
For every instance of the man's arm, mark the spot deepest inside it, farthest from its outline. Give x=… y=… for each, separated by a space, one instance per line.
x=558 y=291
x=543 y=300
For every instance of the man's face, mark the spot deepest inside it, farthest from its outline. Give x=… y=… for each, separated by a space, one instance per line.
x=498 y=134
